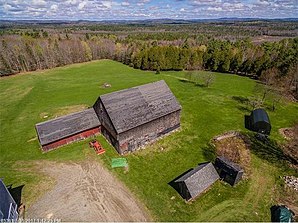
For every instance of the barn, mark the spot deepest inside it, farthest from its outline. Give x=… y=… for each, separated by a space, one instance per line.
x=133 y=117
x=195 y=181
x=8 y=206
x=229 y=171
x=258 y=121
x=66 y=129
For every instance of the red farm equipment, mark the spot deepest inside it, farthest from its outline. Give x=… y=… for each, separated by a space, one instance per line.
x=97 y=147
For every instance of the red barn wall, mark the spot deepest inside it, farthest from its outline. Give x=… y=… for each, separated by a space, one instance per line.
x=70 y=139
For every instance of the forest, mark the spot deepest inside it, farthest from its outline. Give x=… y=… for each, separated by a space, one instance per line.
x=259 y=49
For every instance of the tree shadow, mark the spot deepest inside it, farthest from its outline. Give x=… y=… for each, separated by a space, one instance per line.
x=209 y=152
x=240 y=99
x=192 y=82
x=243 y=108
x=200 y=85
x=269 y=150
x=184 y=80
x=243 y=103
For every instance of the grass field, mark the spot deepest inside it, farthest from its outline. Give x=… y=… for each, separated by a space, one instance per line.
x=34 y=97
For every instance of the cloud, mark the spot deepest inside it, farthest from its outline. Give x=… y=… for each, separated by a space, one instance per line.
x=81 y=5
x=125 y=3
x=71 y=2
x=38 y=2
x=218 y=9
x=107 y=4
x=138 y=9
x=54 y=8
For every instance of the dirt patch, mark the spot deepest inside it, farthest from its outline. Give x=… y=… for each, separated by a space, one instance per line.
x=290 y=148
x=85 y=192
x=235 y=147
x=287 y=133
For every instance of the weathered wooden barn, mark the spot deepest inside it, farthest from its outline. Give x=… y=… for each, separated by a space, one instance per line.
x=66 y=129
x=8 y=206
x=228 y=171
x=133 y=117
x=196 y=181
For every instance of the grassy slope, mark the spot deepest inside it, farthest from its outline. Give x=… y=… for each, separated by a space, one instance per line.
x=206 y=112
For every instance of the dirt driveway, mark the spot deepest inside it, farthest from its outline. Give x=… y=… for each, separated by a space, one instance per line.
x=86 y=192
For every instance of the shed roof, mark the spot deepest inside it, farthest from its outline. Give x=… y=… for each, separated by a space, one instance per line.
x=135 y=106
x=64 y=126
x=259 y=115
x=199 y=179
x=229 y=163
x=5 y=201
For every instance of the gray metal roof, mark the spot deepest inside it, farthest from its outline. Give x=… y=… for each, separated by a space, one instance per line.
x=5 y=202
x=135 y=106
x=64 y=126
x=260 y=115
x=199 y=179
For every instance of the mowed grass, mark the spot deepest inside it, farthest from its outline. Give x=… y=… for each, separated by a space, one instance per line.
x=29 y=98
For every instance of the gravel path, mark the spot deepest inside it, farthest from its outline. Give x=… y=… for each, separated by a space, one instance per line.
x=86 y=192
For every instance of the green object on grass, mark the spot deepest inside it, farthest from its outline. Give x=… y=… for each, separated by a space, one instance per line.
x=119 y=162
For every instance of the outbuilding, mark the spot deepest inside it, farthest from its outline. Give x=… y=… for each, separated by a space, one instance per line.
x=228 y=171
x=195 y=181
x=66 y=129
x=133 y=117
x=8 y=206
x=258 y=121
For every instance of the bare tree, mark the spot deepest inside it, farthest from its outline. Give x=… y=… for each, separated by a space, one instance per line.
x=208 y=79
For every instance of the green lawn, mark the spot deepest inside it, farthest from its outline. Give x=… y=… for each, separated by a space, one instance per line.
x=206 y=112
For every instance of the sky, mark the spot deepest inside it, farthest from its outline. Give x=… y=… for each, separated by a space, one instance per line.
x=146 y=9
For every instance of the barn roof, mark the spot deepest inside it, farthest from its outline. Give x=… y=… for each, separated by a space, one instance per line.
x=64 y=126
x=135 y=106
x=199 y=179
x=260 y=115
x=228 y=163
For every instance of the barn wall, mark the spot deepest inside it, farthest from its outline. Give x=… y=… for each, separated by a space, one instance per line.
x=104 y=118
x=133 y=139
x=76 y=137
x=110 y=138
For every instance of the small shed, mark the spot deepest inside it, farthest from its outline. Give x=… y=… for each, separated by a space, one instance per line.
x=281 y=214
x=195 y=181
x=8 y=207
x=67 y=129
x=258 y=121
x=229 y=171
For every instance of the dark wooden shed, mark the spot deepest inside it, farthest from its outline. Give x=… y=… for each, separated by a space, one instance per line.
x=258 y=121
x=133 y=117
x=8 y=207
x=228 y=171
x=67 y=129
x=196 y=181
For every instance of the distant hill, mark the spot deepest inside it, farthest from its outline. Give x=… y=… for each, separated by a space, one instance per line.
x=146 y=21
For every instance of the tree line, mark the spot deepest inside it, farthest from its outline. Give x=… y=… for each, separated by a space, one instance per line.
x=21 y=53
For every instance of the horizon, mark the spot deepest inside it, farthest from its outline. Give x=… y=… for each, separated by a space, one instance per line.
x=129 y=10
x=149 y=19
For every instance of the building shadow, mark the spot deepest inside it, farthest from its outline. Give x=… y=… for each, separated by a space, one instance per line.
x=174 y=185
x=16 y=193
x=270 y=150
